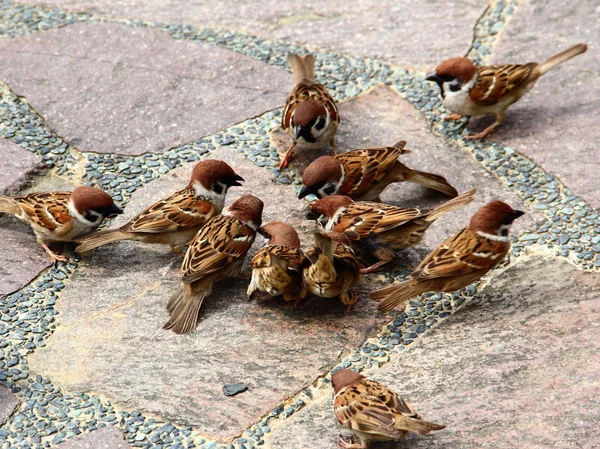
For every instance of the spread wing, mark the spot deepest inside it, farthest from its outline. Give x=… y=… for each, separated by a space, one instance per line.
x=363 y=168
x=367 y=407
x=222 y=241
x=463 y=253
x=305 y=90
x=182 y=210
x=48 y=210
x=367 y=219
x=495 y=81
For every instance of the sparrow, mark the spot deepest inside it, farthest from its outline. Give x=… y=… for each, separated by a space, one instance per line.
x=310 y=115
x=460 y=260
x=175 y=220
x=216 y=252
x=377 y=229
x=61 y=216
x=331 y=269
x=364 y=174
x=469 y=90
x=372 y=411
x=276 y=268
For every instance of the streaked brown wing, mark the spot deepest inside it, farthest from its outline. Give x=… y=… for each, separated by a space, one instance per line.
x=292 y=256
x=222 y=241
x=358 y=409
x=495 y=81
x=182 y=210
x=363 y=168
x=456 y=256
x=48 y=210
x=366 y=218
x=306 y=90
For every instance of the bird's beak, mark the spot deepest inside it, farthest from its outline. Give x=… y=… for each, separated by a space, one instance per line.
x=305 y=190
x=517 y=214
x=115 y=210
x=236 y=181
x=299 y=131
x=433 y=77
x=312 y=215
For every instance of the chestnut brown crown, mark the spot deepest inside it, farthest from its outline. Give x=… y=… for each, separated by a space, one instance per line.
x=492 y=217
x=248 y=209
x=343 y=378
x=329 y=205
x=85 y=198
x=460 y=67
x=307 y=113
x=280 y=233
x=210 y=171
x=320 y=172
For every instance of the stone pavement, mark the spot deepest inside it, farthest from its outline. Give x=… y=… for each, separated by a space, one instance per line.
x=129 y=95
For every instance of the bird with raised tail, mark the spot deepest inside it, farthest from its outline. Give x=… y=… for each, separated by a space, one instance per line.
x=310 y=116
x=468 y=90
x=175 y=220
x=331 y=269
x=379 y=230
x=364 y=174
x=61 y=216
x=460 y=260
x=277 y=267
x=373 y=412
x=217 y=251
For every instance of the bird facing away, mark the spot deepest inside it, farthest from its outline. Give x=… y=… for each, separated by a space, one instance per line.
x=364 y=174
x=468 y=90
x=373 y=412
x=175 y=220
x=217 y=251
x=310 y=115
x=276 y=267
x=379 y=230
x=61 y=216
x=460 y=260
x=331 y=269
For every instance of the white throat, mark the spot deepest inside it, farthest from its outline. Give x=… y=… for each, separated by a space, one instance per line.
x=217 y=199
x=458 y=101
x=494 y=237
x=334 y=220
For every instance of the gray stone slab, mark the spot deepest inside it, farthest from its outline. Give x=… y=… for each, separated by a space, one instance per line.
x=403 y=31
x=8 y=404
x=139 y=366
x=556 y=124
x=109 y=87
x=18 y=165
x=517 y=367
x=22 y=258
x=108 y=437
x=382 y=117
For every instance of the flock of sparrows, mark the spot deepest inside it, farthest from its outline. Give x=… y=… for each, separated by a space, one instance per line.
x=358 y=233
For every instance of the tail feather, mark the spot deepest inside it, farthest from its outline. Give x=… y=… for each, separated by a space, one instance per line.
x=325 y=244
x=97 y=239
x=8 y=205
x=303 y=67
x=183 y=308
x=562 y=57
x=402 y=147
x=461 y=200
x=417 y=425
x=395 y=295
x=431 y=181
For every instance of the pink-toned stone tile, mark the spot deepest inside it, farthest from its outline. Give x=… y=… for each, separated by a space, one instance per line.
x=18 y=164
x=113 y=88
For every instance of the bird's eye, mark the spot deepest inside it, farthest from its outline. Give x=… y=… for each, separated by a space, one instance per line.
x=320 y=123
x=454 y=86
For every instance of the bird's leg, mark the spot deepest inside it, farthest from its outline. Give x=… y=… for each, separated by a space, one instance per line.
x=347 y=445
x=55 y=257
x=332 y=143
x=489 y=129
x=374 y=268
x=453 y=117
x=349 y=299
x=287 y=157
